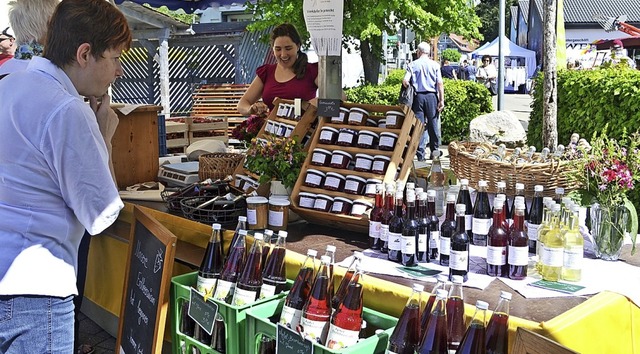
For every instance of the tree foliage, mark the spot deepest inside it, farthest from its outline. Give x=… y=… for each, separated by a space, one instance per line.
x=488 y=12
x=451 y=55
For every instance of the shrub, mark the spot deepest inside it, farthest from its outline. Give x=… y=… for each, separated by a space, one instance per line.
x=394 y=77
x=451 y=55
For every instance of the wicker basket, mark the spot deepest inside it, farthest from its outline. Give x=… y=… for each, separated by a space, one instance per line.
x=550 y=175
x=218 y=165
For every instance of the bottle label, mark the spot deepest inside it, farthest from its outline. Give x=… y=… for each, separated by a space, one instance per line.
x=339 y=338
x=320 y=204
x=206 y=285
x=374 y=229
x=290 y=317
x=408 y=245
x=422 y=242
x=552 y=256
x=445 y=245
x=468 y=221
x=223 y=289
x=435 y=238
x=395 y=241
x=242 y=297
x=518 y=256
x=573 y=257
x=316 y=331
x=496 y=255
x=252 y=216
x=459 y=260
x=481 y=226
x=384 y=232
x=267 y=290
x=345 y=138
x=532 y=231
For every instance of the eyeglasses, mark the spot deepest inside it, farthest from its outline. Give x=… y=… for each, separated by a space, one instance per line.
x=9 y=38
x=486 y=61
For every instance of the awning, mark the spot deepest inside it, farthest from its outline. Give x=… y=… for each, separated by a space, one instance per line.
x=188 y=6
x=626 y=42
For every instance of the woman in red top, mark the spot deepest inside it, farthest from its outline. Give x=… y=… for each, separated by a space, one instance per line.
x=291 y=77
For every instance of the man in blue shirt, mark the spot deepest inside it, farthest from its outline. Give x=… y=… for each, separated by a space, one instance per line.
x=425 y=76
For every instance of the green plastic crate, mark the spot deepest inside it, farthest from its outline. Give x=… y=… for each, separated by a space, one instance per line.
x=234 y=317
x=261 y=321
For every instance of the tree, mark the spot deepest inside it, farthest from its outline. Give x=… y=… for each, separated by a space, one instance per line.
x=451 y=55
x=487 y=11
x=550 y=85
x=366 y=20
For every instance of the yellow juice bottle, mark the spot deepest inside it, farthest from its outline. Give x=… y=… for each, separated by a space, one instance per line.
x=573 y=249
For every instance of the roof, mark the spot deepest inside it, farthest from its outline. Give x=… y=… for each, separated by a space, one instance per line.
x=524 y=9
x=584 y=11
x=463 y=44
x=514 y=15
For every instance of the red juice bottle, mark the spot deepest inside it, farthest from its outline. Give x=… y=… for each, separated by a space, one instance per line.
x=518 y=251
x=212 y=262
x=317 y=310
x=387 y=213
x=497 y=339
x=409 y=233
x=274 y=274
x=331 y=253
x=459 y=253
x=520 y=193
x=346 y=321
x=501 y=188
x=406 y=334
x=250 y=280
x=473 y=341
x=497 y=242
x=447 y=229
x=266 y=245
x=464 y=197
x=434 y=224
x=219 y=336
x=481 y=220
x=375 y=219
x=232 y=269
x=299 y=293
x=344 y=283
x=422 y=246
x=435 y=338
x=455 y=313
x=440 y=284
x=395 y=230
x=242 y=225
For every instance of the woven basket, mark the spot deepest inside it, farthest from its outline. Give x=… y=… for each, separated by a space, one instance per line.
x=218 y=165
x=550 y=175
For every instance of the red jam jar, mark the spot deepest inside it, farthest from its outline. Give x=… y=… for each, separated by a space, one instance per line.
x=323 y=203
x=346 y=137
x=367 y=139
x=354 y=185
x=360 y=206
x=357 y=116
x=340 y=159
x=342 y=117
x=307 y=200
x=334 y=181
x=387 y=141
x=314 y=178
x=380 y=164
x=371 y=123
x=363 y=163
x=394 y=119
x=370 y=188
x=320 y=157
x=382 y=123
x=328 y=135
x=341 y=206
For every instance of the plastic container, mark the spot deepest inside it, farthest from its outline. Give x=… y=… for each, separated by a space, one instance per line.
x=314 y=178
x=334 y=181
x=341 y=206
x=257 y=213
x=370 y=188
x=394 y=119
x=340 y=119
x=328 y=135
x=387 y=141
x=320 y=157
x=358 y=116
x=346 y=137
x=340 y=159
x=360 y=206
x=380 y=164
x=367 y=139
x=323 y=203
x=306 y=200
x=363 y=163
x=354 y=185
x=278 y=213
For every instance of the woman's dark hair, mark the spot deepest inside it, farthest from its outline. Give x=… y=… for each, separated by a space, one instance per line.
x=486 y=57
x=288 y=30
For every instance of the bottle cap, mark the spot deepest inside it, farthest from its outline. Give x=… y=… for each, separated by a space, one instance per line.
x=559 y=190
x=419 y=190
x=575 y=208
x=461 y=208
x=431 y=193
x=464 y=182
x=379 y=332
x=441 y=293
x=565 y=200
x=216 y=226
x=505 y=295
x=519 y=185
x=538 y=188
x=312 y=253
x=325 y=259
x=242 y=218
x=242 y=232
x=451 y=197
x=482 y=183
x=443 y=278
x=331 y=248
x=411 y=197
x=258 y=236
x=482 y=305
x=283 y=234
x=418 y=287
x=457 y=279
x=268 y=232
x=502 y=184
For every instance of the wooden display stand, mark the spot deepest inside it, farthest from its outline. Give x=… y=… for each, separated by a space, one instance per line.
x=401 y=157
x=180 y=135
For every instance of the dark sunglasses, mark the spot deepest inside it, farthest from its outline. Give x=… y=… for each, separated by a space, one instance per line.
x=9 y=38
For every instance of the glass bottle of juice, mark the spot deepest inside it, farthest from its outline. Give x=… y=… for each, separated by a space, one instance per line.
x=481 y=220
x=459 y=253
x=447 y=229
x=436 y=183
x=464 y=197
x=455 y=313
x=242 y=225
x=317 y=310
x=518 y=250
x=406 y=334
x=505 y=222
x=559 y=194
x=435 y=339
x=299 y=293
x=346 y=321
x=266 y=245
x=375 y=219
x=501 y=188
x=535 y=217
x=219 y=335
x=552 y=253
x=211 y=265
x=409 y=233
x=544 y=228
x=395 y=230
x=274 y=274
x=344 y=283
x=250 y=280
x=267 y=345
x=232 y=269
x=331 y=253
x=422 y=248
x=473 y=341
x=573 y=248
x=387 y=213
x=520 y=193
x=497 y=242
x=497 y=341
x=440 y=284
x=434 y=225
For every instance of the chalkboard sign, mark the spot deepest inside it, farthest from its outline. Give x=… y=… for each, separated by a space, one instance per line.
x=146 y=289
x=289 y=341
x=203 y=312
x=328 y=107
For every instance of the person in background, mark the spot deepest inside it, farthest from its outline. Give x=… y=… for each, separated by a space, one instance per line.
x=462 y=74
x=425 y=75
x=55 y=180
x=448 y=71
x=470 y=70
x=619 y=55
x=7 y=45
x=487 y=74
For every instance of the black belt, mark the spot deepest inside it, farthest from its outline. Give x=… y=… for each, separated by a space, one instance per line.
x=425 y=92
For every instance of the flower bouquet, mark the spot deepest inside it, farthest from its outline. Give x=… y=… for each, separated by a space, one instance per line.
x=275 y=158
x=249 y=128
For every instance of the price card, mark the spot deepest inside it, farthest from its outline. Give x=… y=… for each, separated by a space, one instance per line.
x=419 y=271
x=557 y=286
x=203 y=312
x=289 y=341
x=328 y=107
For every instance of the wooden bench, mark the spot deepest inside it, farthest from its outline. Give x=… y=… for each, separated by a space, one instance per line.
x=214 y=111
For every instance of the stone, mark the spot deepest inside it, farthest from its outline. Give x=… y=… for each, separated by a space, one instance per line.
x=499 y=127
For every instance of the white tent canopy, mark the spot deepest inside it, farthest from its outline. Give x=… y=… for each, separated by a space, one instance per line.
x=509 y=49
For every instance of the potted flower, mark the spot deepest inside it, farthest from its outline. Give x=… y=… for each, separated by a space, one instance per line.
x=607 y=173
x=275 y=158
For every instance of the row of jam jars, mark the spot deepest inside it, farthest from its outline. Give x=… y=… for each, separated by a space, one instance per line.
x=365 y=139
x=343 y=160
x=279 y=129
x=288 y=111
x=334 y=205
x=360 y=116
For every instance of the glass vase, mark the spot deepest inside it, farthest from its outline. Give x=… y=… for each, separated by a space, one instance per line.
x=608 y=228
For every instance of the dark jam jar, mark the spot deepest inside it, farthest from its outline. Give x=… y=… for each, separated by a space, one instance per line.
x=367 y=139
x=354 y=185
x=363 y=163
x=320 y=157
x=328 y=135
x=342 y=117
x=346 y=137
x=307 y=200
x=341 y=206
x=394 y=119
x=323 y=203
x=382 y=123
x=360 y=206
x=387 y=141
x=334 y=181
x=380 y=164
x=357 y=116
x=371 y=123
x=370 y=188
x=314 y=178
x=340 y=159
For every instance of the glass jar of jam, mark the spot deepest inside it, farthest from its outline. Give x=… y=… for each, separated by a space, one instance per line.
x=363 y=163
x=340 y=159
x=370 y=188
x=328 y=135
x=342 y=117
x=360 y=206
x=354 y=184
x=382 y=123
x=269 y=127
x=314 y=178
x=320 y=157
x=341 y=206
x=334 y=181
x=278 y=213
x=323 y=203
x=380 y=164
x=288 y=130
x=257 y=210
x=357 y=116
x=394 y=119
x=387 y=141
x=346 y=137
x=371 y=123
x=367 y=139
x=307 y=200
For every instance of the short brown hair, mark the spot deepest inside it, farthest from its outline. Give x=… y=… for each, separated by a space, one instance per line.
x=75 y=22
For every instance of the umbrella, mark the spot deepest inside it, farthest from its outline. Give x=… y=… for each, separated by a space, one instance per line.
x=188 y=6
x=626 y=42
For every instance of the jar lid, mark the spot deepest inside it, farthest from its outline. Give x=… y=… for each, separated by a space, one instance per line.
x=333 y=130
x=257 y=200
x=326 y=197
x=336 y=175
x=344 y=109
x=307 y=194
x=381 y=121
x=364 y=156
x=324 y=151
x=357 y=178
x=368 y=132
x=359 y=110
x=373 y=181
x=363 y=202
x=315 y=172
x=382 y=157
x=344 y=200
x=347 y=130
x=372 y=123
x=279 y=201
x=394 y=113
x=389 y=134
x=344 y=153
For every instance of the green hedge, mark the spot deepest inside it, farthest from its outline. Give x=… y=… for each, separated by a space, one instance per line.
x=464 y=100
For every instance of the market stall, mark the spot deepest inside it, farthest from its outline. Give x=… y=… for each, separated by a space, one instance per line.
x=520 y=63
